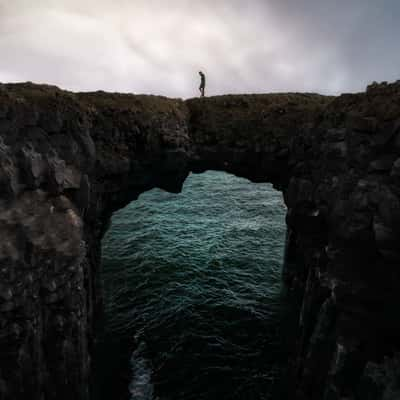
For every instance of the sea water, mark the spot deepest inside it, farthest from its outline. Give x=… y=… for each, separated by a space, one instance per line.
x=192 y=294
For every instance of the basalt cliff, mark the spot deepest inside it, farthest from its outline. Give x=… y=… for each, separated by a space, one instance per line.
x=69 y=160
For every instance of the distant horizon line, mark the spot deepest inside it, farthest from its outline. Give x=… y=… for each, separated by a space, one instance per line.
x=28 y=82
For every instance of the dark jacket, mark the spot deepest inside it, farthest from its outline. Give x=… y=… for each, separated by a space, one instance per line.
x=203 y=80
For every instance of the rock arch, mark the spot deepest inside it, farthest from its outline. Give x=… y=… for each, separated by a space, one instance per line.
x=68 y=160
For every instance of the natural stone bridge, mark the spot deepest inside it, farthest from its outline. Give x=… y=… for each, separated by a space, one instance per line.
x=67 y=161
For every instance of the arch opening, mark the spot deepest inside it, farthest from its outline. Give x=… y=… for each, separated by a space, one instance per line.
x=192 y=293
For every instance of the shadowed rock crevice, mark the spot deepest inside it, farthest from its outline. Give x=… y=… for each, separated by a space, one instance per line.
x=68 y=161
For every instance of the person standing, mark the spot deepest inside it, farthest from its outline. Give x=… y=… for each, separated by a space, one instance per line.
x=202 y=83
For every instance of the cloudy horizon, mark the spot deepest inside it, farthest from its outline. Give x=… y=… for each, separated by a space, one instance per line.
x=158 y=47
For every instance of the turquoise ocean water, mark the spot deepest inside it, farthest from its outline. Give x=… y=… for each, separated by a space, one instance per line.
x=192 y=294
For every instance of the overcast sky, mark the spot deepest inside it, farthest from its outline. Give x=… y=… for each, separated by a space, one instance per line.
x=158 y=46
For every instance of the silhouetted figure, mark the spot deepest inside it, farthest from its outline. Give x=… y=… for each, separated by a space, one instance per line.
x=202 y=83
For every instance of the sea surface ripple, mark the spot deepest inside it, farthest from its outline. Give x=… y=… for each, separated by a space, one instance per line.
x=192 y=293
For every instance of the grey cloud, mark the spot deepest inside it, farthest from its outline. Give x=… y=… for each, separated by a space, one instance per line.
x=155 y=46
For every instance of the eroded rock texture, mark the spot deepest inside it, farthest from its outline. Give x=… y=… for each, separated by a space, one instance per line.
x=67 y=161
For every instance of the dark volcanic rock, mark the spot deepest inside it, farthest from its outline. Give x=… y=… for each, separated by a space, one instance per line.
x=67 y=161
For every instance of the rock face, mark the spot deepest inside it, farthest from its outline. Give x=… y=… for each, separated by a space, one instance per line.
x=68 y=160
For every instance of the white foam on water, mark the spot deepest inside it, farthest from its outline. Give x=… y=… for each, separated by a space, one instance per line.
x=141 y=387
